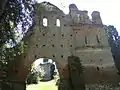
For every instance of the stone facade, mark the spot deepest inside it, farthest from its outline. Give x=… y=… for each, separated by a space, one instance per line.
x=77 y=35
x=45 y=71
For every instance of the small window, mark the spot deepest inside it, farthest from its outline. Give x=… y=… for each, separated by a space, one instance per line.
x=45 y=22
x=58 y=22
x=86 y=40
x=98 y=41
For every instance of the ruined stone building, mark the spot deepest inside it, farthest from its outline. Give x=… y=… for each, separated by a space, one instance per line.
x=74 y=34
x=45 y=71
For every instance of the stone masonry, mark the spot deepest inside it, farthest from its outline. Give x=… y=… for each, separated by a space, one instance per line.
x=45 y=71
x=74 y=34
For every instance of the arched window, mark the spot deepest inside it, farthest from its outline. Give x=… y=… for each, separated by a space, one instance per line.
x=45 y=22
x=58 y=22
x=86 y=40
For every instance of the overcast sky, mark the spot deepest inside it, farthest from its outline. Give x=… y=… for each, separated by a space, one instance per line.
x=109 y=9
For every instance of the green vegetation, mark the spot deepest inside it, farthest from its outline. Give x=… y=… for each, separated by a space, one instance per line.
x=114 y=42
x=33 y=78
x=15 y=16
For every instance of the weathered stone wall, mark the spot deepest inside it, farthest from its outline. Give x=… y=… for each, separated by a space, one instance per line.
x=77 y=35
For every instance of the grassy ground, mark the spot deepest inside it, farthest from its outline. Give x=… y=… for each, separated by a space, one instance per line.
x=50 y=85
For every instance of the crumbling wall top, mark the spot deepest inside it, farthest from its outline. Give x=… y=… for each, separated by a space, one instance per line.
x=77 y=16
x=73 y=7
x=47 y=7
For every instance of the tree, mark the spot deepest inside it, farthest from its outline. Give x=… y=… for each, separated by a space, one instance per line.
x=114 y=41
x=2 y=6
x=15 y=13
x=15 y=16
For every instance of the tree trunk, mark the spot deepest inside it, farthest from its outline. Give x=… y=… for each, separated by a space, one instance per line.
x=2 y=6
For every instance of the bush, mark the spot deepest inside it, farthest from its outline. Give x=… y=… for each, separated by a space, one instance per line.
x=33 y=78
x=57 y=82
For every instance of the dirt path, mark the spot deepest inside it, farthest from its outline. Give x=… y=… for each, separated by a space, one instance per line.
x=50 y=85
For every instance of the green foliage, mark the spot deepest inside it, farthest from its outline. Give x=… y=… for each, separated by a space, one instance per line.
x=10 y=53
x=114 y=42
x=15 y=12
x=33 y=78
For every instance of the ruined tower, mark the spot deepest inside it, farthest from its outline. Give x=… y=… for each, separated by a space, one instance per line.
x=92 y=47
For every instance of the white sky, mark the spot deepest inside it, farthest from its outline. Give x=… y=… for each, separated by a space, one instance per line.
x=109 y=9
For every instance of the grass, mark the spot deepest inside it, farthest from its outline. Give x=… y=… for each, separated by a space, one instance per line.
x=50 y=85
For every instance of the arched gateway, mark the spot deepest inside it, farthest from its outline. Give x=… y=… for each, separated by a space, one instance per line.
x=66 y=39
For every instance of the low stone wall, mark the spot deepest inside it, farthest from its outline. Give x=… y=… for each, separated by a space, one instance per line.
x=102 y=87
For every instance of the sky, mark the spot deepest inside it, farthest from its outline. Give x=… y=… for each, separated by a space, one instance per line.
x=109 y=9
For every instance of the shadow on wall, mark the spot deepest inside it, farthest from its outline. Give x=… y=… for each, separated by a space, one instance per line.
x=76 y=73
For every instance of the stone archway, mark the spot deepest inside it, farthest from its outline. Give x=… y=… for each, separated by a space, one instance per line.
x=76 y=35
x=19 y=76
x=43 y=71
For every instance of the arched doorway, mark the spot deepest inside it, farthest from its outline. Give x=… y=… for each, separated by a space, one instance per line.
x=43 y=75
